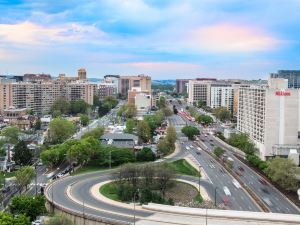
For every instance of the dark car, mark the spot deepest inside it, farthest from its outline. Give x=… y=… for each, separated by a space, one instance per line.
x=198 y=153
x=241 y=169
x=262 y=181
x=212 y=144
x=238 y=173
x=265 y=190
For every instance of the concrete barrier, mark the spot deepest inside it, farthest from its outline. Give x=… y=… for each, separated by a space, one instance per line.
x=226 y=214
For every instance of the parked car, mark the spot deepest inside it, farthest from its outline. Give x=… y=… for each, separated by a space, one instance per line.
x=241 y=169
x=262 y=181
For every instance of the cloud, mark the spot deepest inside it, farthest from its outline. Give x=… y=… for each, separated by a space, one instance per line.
x=227 y=37
x=28 y=33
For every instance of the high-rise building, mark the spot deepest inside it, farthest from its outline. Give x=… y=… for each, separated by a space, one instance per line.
x=113 y=80
x=82 y=74
x=126 y=83
x=270 y=115
x=220 y=94
x=181 y=86
x=36 y=77
x=40 y=96
x=106 y=89
x=293 y=77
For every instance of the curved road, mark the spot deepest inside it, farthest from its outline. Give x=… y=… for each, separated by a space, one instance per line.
x=80 y=190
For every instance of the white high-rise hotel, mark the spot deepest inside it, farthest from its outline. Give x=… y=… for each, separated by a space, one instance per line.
x=270 y=115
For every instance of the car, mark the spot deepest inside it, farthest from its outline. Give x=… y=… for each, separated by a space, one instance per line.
x=262 y=181
x=267 y=201
x=187 y=147
x=59 y=175
x=238 y=173
x=198 y=153
x=199 y=148
x=191 y=146
x=211 y=160
x=236 y=183
x=36 y=222
x=202 y=139
x=226 y=191
x=241 y=169
x=212 y=144
x=211 y=140
x=40 y=163
x=265 y=190
x=221 y=170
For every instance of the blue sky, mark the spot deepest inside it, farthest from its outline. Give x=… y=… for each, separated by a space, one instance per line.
x=166 y=39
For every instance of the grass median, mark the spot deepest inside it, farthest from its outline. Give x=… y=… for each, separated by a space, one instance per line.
x=181 y=166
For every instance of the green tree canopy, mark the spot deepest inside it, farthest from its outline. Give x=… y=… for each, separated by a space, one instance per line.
x=95 y=133
x=22 y=155
x=78 y=106
x=284 y=172
x=190 y=131
x=8 y=219
x=11 y=134
x=143 y=131
x=25 y=175
x=28 y=205
x=204 y=119
x=59 y=220
x=222 y=114
x=130 y=125
x=60 y=130
x=219 y=151
x=145 y=155
x=61 y=105
x=84 y=119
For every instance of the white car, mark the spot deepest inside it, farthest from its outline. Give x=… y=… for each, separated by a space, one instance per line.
x=199 y=148
x=236 y=183
x=191 y=146
x=187 y=147
x=226 y=191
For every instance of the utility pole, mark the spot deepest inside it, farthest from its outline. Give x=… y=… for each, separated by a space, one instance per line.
x=109 y=159
x=35 y=180
x=199 y=179
x=216 y=196
x=52 y=196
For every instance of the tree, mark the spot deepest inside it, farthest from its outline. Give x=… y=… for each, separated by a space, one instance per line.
x=8 y=219
x=145 y=155
x=204 y=119
x=11 y=134
x=167 y=111
x=200 y=103
x=96 y=101
x=284 y=172
x=143 y=131
x=84 y=119
x=78 y=106
x=61 y=105
x=111 y=101
x=22 y=155
x=103 y=109
x=24 y=176
x=38 y=124
x=219 y=151
x=130 y=111
x=130 y=125
x=96 y=133
x=161 y=103
x=163 y=147
x=28 y=205
x=59 y=220
x=79 y=153
x=120 y=155
x=242 y=142
x=190 y=131
x=171 y=134
x=60 y=130
x=164 y=173
x=222 y=114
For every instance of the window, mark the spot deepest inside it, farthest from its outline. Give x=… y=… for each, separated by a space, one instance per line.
x=136 y=83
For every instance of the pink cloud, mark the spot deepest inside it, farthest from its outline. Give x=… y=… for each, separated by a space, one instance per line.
x=228 y=37
x=29 y=33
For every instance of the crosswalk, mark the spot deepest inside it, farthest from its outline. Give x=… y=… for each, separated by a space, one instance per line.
x=38 y=184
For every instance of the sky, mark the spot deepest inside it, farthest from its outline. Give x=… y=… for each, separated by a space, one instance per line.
x=166 y=39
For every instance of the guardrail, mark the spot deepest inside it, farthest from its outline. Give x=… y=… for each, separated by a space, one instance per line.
x=97 y=220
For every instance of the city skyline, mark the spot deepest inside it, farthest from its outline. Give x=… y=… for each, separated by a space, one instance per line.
x=165 y=39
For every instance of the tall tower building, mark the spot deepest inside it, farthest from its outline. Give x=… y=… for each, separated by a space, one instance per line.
x=82 y=74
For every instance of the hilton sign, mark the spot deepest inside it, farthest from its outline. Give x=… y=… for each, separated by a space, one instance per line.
x=283 y=93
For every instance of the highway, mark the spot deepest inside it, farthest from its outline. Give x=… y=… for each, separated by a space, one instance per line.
x=274 y=200
x=268 y=194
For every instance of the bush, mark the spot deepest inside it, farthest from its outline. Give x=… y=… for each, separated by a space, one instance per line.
x=125 y=192
x=190 y=131
x=145 y=155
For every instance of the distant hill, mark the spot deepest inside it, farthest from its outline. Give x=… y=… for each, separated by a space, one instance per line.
x=172 y=82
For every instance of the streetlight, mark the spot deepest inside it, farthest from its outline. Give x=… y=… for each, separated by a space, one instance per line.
x=35 y=180
x=134 y=197
x=199 y=178
x=216 y=196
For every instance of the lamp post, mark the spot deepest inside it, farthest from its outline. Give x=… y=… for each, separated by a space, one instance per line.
x=134 y=197
x=35 y=180
x=110 y=159
x=216 y=196
x=199 y=178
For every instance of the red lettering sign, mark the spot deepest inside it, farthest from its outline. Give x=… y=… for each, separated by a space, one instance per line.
x=283 y=93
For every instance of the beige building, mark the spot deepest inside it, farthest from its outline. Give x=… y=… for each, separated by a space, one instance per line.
x=127 y=83
x=40 y=96
x=270 y=115
x=81 y=74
